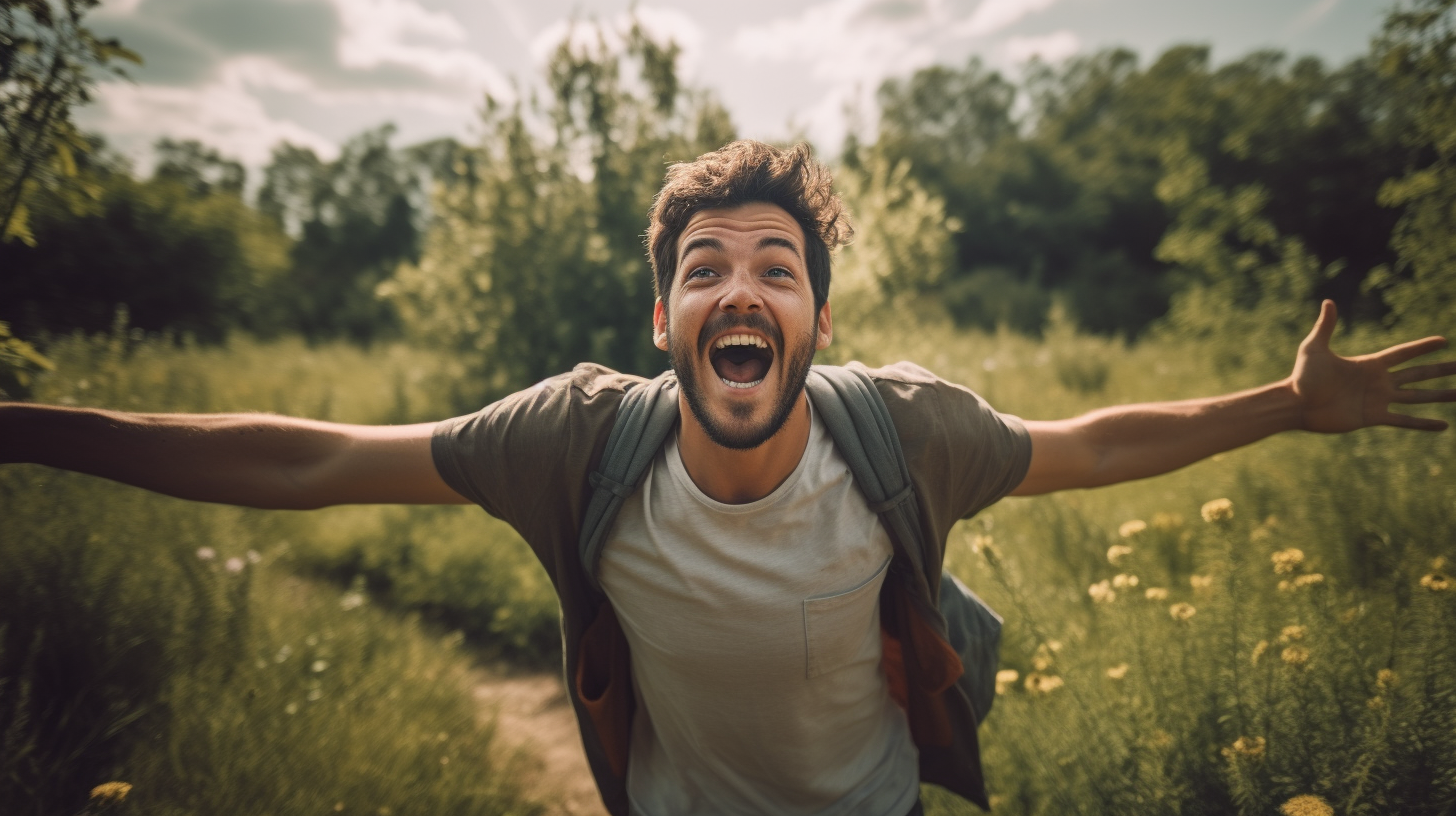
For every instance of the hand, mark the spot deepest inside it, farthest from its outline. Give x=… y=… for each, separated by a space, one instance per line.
x=1340 y=394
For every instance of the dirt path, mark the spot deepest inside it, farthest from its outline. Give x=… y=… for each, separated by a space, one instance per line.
x=533 y=714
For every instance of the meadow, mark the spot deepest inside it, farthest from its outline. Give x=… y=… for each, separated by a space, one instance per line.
x=1269 y=631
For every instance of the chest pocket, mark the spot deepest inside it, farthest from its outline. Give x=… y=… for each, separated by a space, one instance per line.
x=837 y=627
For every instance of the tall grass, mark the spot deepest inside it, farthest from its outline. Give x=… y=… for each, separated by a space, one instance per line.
x=1302 y=647
x=169 y=645
x=1148 y=697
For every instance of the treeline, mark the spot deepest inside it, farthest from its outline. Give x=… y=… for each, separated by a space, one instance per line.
x=1130 y=197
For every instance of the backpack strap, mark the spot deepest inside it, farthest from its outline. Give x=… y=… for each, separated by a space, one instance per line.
x=647 y=415
x=864 y=433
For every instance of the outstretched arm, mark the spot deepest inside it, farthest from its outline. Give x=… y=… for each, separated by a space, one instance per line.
x=1326 y=393
x=253 y=460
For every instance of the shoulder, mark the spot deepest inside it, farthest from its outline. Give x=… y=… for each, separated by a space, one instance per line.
x=917 y=393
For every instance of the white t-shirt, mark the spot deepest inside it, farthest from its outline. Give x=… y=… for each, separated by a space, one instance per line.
x=755 y=639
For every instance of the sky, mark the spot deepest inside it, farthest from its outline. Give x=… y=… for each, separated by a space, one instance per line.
x=243 y=75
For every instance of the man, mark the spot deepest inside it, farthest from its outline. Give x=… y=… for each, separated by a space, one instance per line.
x=750 y=656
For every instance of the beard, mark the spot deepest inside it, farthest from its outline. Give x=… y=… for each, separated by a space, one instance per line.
x=738 y=432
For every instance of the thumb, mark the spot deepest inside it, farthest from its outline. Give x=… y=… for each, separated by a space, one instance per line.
x=1324 y=325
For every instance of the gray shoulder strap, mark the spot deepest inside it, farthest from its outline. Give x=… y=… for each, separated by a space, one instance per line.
x=864 y=433
x=647 y=415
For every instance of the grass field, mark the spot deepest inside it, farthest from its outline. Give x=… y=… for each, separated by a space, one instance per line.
x=1296 y=644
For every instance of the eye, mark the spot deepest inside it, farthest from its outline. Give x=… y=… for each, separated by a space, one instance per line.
x=778 y=272
x=701 y=272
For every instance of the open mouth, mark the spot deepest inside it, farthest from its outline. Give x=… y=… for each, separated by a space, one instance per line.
x=741 y=360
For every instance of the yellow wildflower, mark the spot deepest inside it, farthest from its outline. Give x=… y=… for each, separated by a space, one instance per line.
x=1124 y=581
x=1259 y=649
x=1436 y=582
x=1181 y=611
x=1117 y=672
x=1306 y=805
x=1132 y=528
x=1217 y=510
x=1375 y=703
x=1006 y=679
x=1156 y=594
x=1287 y=561
x=111 y=792
x=1101 y=592
x=1308 y=580
x=1200 y=582
x=1160 y=739
x=1438 y=563
x=1245 y=748
x=1384 y=679
x=1038 y=683
x=1291 y=634
x=1296 y=656
x=1117 y=552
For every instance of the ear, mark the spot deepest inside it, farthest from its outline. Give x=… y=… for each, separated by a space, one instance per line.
x=659 y=325
x=825 y=333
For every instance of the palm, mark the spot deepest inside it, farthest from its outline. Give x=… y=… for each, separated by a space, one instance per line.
x=1347 y=393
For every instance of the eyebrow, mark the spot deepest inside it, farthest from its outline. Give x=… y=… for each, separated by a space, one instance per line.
x=702 y=243
x=764 y=243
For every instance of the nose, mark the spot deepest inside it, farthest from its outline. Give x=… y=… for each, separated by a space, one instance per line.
x=741 y=294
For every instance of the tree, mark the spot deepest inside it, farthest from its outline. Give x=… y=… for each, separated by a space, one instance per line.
x=356 y=219
x=1417 y=52
x=178 y=259
x=48 y=62
x=534 y=259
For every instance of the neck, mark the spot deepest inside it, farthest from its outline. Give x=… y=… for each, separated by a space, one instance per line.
x=741 y=476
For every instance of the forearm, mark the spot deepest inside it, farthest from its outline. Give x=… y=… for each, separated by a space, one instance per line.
x=1129 y=442
x=255 y=460
x=1137 y=441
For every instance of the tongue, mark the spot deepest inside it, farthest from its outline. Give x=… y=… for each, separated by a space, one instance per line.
x=740 y=367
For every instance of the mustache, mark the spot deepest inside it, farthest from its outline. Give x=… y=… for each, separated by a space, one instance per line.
x=725 y=321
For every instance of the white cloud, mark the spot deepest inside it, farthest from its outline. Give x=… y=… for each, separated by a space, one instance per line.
x=841 y=43
x=1054 y=47
x=850 y=47
x=223 y=114
x=992 y=16
x=403 y=33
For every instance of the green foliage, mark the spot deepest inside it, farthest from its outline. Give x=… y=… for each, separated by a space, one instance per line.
x=902 y=245
x=356 y=218
x=190 y=261
x=1417 y=52
x=534 y=260
x=48 y=62
x=19 y=363
x=1064 y=198
x=1243 y=278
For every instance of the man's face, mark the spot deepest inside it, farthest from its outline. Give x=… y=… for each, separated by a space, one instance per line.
x=743 y=331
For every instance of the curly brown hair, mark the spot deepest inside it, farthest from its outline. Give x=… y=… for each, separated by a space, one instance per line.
x=745 y=172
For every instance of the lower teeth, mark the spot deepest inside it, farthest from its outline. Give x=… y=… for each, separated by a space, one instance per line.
x=732 y=384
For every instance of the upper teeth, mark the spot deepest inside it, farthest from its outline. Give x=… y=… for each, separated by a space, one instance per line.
x=740 y=340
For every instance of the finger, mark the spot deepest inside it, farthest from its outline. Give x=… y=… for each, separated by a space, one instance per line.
x=1413 y=423
x=1417 y=396
x=1423 y=372
x=1324 y=326
x=1395 y=355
